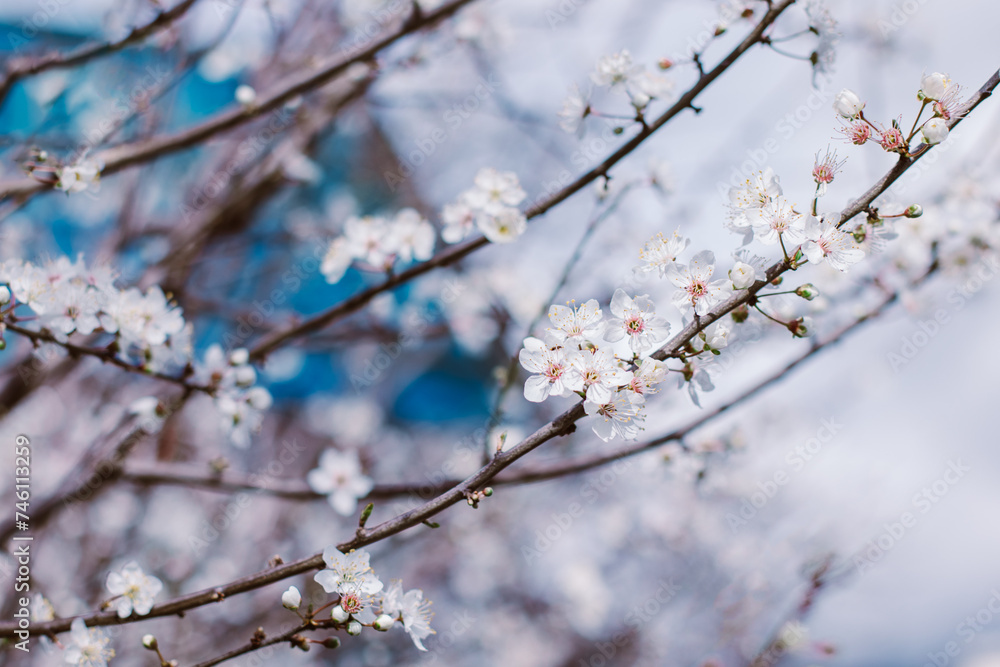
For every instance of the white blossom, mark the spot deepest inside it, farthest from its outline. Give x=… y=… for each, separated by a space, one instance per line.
x=576 y=324
x=347 y=572
x=620 y=416
x=554 y=376
x=600 y=372
x=660 y=252
x=827 y=243
x=412 y=608
x=133 y=590
x=89 y=646
x=696 y=292
x=635 y=318
x=340 y=479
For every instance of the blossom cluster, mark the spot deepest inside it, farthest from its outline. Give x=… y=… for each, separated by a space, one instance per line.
x=67 y=297
x=617 y=74
x=378 y=243
x=759 y=211
x=364 y=601
x=936 y=91
x=574 y=359
x=241 y=404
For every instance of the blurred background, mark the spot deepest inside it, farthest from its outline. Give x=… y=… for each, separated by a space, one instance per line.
x=674 y=559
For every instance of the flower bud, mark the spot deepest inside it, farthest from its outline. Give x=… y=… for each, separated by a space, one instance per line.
x=740 y=314
x=4 y=295
x=800 y=327
x=384 y=622
x=807 y=291
x=354 y=628
x=933 y=86
x=331 y=642
x=848 y=104
x=742 y=275
x=935 y=131
x=245 y=95
x=239 y=357
x=338 y=614
x=291 y=599
x=149 y=641
x=914 y=211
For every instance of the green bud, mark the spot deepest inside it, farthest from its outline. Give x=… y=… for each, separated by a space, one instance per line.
x=149 y=641
x=914 y=211
x=619 y=130
x=807 y=291
x=331 y=642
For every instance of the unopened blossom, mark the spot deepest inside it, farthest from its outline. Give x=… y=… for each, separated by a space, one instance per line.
x=291 y=599
x=697 y=291
x=89 y=646
x=616 y=70
x=494 y=190
x=824 y=170
x=933 y=86
x=459 y=220
x=848 y=104
x=347 y=572
x=827 y=243
x=622 y=416
x=412 y=608
x=742 y=275
x=635 y=319
x=777 y=220
x=601 y=373
x=553 y=374
x=133 y=590
x=715 y=337
x=660 y=252
x=340 y=479
x=575 y=325
x=576 y=107
x=935 y=131
x=411 y=236
x=504 y=226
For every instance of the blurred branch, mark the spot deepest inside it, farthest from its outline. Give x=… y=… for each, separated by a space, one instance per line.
x=18 y=69
x=458 y=252
x=119 y=157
